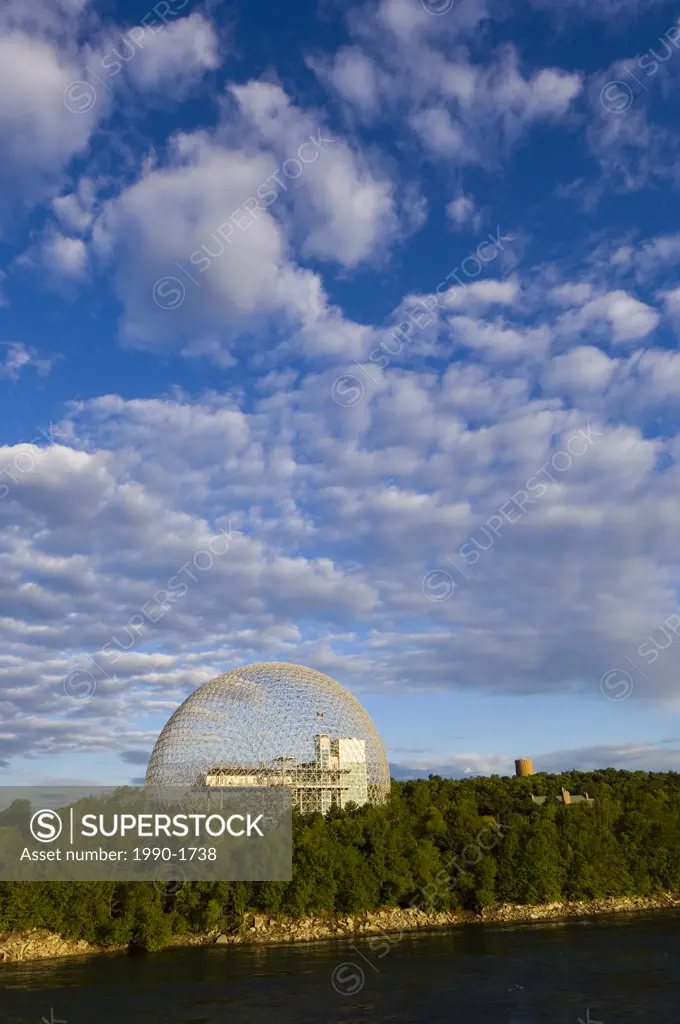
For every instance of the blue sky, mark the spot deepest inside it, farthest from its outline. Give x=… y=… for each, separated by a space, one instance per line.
x=343 y=335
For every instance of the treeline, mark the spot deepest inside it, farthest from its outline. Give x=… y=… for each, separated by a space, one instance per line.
x=438 y=843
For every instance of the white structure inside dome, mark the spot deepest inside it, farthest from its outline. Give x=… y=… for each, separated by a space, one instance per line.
x=337 y=777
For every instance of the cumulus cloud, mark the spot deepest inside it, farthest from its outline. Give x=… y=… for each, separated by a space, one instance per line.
x=583 y=369
x=627 y=317
x=354 y=76
x=655 y=378
x=202 y=246
x=671 y=300
x=61 y=73
x=233 y=268
x=15 y=357
x=108 y=522
x=496 y=98
x=499 y=520
x=97 y=520
x=498 y=340
x=658 y=253
x=630 y=319
x=347 y=205
x=171 y=57
x=464 y=112
x=38 y=133
x=63 y=255
x=480 y=295
x=75 y=210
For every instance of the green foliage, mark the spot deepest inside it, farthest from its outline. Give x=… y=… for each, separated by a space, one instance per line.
x=433 y=845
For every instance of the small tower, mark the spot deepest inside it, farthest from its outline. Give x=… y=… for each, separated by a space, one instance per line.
x=524 y=766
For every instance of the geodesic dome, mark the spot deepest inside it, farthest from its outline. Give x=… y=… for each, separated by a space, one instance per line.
x=269 y=724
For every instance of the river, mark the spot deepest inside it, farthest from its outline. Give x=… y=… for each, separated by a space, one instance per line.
x=603 y=969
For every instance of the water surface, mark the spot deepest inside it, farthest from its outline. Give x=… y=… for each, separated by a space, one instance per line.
x=619 y=968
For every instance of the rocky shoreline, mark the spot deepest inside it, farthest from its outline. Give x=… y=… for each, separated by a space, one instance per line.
x=39 y=944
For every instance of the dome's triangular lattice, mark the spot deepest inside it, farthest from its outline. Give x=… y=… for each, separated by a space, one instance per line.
x=274 y=724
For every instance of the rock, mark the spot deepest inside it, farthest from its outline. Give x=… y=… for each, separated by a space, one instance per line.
x=39 y=943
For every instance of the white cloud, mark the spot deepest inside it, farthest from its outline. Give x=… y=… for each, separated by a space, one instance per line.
x=648 y=757
x=403 y=19
x=571 y=294
x=455 y=767
x=497 y=98
x=623 y=256
x=60 y=75
x=17 y=357
x=479 y=295
x=93 y=530
x=174 y=215
x=420 y=68
x=175 y=55
x=647 y=259
x=354 y=76
x=64 y=256
x=463 y=211
x=341 y=511
x=583 y=369
x=628 y=318
x=548 y=94
x=660 y=252
x=671 y=301
x=657 y=377
x=498 y=340
x=440 y=133
x=38 y=133
x=75 y=210
x=632 y=150
x=75 y=580
x=345 y=207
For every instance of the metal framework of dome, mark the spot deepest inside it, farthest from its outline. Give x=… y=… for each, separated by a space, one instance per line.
x=274 y=724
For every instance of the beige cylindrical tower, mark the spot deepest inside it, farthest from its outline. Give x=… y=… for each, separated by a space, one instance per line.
x=524 y=766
